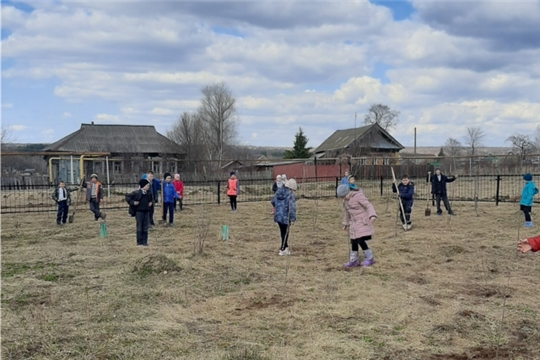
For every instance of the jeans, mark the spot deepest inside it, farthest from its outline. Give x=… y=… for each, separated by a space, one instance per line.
x=142 y=219
x=444 y=198
x=232 y=199
x=62 y=214
x=168 y=207
x=527 y=211
x=94 y=207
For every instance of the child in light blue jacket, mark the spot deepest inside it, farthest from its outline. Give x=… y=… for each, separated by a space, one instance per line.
x=527 y=196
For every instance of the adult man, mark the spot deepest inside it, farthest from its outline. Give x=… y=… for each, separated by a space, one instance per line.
x=438 y=188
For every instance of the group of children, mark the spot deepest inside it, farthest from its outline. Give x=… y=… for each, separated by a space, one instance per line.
x=359 y=213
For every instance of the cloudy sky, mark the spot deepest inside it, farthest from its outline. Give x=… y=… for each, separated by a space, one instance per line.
x=445 y=65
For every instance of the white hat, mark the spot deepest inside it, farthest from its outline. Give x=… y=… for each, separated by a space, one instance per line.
x=291 y=184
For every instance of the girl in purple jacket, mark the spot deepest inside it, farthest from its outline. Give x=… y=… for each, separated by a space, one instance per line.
x=359 y=216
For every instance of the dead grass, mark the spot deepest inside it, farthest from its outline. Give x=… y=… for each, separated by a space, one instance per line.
x=436 y=292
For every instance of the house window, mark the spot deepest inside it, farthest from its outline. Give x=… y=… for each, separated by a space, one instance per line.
x=373 y=161
x=386 y=161
x=362 y=161
x=117 y=166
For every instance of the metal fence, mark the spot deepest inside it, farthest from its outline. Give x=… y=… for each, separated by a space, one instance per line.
x=485 y=188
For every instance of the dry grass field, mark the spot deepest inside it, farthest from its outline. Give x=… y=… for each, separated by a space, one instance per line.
x=448 y=289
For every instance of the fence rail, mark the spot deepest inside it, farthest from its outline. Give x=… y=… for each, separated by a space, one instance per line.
x=20 y=198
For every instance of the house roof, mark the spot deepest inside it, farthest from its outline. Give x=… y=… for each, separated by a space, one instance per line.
x=342 y=139
x=116 y=139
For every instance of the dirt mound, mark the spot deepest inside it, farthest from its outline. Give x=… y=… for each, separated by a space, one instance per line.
x=154 y=264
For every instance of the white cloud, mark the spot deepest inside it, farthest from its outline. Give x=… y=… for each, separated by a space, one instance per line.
x=66 y=115
x=7 y=106
x=106 y=118
x=47 y=132
x=17 y=127
x=161 y=111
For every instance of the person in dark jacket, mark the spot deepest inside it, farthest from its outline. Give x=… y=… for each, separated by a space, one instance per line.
x=62 y=198
x=155 y=186
x=169 y=198
x=142 y=200
x=438 y=188
x=406 y=194
x=94 y=196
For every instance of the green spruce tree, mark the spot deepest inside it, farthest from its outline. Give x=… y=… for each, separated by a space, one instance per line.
x=300 y=150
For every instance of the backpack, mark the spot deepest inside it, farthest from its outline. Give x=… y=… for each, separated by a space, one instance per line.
x=132 y=210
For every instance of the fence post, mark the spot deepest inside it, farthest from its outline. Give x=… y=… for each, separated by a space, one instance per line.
x=219 y=192
x=337 y=184
x=382 y=177
x=497 y=191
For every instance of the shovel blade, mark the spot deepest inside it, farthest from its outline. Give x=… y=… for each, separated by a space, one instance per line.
x=428 y=212
x=70 y=219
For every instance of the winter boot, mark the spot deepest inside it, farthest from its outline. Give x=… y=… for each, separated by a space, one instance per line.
x=368 y=261
x=353 y=259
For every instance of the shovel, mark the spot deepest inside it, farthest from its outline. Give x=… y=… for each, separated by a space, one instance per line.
x=428 y=209
x=72 y=216
x=398 y=197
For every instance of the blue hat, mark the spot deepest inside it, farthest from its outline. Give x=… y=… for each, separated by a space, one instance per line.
x=342 y=190
x=527 y=177
x=232 y=173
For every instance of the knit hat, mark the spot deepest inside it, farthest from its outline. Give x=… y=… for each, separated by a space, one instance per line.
x=350 y=177
x=93 y=176
x=143 y=183
x=278 y=178
x=232 y=173
x=166 y=175
x=176 y=176
x=527 y=177
x=342 y=190
x=284 y=177
x=291 y=184
x=438 y=168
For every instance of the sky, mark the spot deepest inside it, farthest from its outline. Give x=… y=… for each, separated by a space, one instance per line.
x=444 y=65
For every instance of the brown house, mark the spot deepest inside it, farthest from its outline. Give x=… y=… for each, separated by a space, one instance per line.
x=132 y=149
x=371 y=142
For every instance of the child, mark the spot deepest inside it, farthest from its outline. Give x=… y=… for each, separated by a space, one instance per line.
x=527 y=195
x=169 y=198
x=529 y=244
x=94 y=196
x=438 y=188
x=359 y=216
x=277 y=184
x=285 y=215
x=351 y=181
x=233 y=189
x=142 y=200
x=179 y=187
x=406 y=193
x=345 y=179
x=155 y=186
x=61 y=196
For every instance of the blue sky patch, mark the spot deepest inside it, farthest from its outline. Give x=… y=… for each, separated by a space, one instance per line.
x=401 y=9
x=18 y=5
x=227 y=31
x=6 y=33
x=379 y=72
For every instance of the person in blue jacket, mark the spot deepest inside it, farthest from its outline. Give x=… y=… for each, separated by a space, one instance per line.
x=527 y=196
x=169 y=198
x=285 y=214
x=345 y=179
x=406 y=196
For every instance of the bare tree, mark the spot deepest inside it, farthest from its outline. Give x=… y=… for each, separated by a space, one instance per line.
x=537 y=139
x=382 y=115
x=218 y=113
x=453 y=148
x=521 y=147
x=189 y=133
x=473 y=139
x=6 y=136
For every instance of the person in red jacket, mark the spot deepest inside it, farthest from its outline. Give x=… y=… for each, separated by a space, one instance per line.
x=179 y=187
x=233 y=189
x=529 y=244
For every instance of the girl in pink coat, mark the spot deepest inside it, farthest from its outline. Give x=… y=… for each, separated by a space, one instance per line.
x=359 y=216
